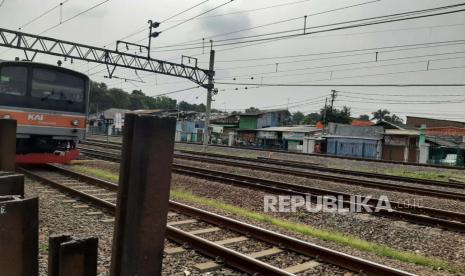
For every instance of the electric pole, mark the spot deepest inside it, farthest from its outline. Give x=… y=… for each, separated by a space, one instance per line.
x=210 y=90
x=325 y=116
x=333 y=98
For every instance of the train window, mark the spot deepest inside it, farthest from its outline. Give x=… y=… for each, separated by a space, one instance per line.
x=13 y=80
x=53 y=85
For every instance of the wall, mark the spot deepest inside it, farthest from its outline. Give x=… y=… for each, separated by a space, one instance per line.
x=248 y=122
x=354 y=147
x=356 y=131
x=417 y=122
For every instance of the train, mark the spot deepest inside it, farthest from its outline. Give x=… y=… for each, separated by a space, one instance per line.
x=50 y=104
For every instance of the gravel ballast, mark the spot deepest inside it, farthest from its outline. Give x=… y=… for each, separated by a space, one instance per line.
x=433 y=242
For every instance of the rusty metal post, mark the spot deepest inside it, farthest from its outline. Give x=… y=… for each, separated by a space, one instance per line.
x=19 y=228
x=12 y=184
x=143 y=195
x=54 y=243
x=79 y=257
x=7 y=144
x=68 y=256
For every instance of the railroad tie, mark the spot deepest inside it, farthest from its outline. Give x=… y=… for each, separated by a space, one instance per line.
x=302 y=267
x=205 y=230
x=91 y=191
x=69 y=201
x=180 y=249
x=232 y=240
x=172 y=214
x=212 y=265
x=181 y=222
x=81 y=206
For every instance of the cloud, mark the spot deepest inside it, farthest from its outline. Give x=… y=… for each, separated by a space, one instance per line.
x=224 y=23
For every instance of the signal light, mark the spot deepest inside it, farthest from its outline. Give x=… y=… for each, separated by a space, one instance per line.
x=155 y=34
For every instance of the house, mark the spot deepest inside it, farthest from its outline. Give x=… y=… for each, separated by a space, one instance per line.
x=354 y=141
x=250 y=122
x=400 y=142
x=416 y=122
x=223 y=128
x=110 y=121
x=444 y=138
x=289 y=137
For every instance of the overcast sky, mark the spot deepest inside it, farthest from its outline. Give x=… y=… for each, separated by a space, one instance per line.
x=117 y=18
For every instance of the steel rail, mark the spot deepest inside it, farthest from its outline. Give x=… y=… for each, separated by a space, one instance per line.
x=232 y=258
x=419 y=215
x=325 y=177
x=321 y=155
x=305 y=165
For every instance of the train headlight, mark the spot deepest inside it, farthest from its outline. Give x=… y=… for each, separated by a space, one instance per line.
x=7 y=116
x=75 y=122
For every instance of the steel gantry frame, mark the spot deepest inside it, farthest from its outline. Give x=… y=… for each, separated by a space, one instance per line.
x=111 y=58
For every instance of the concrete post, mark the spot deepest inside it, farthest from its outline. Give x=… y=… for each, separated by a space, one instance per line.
x=143 y=195
x=7 y=144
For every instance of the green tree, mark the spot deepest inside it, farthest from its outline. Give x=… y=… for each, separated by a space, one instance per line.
x=380 y=114
x=364 y=117
x=252 y=110
x=298 y=118
x=334 y=115
x=312 y=118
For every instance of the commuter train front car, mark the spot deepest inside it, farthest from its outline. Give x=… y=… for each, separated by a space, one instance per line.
x=50 y=105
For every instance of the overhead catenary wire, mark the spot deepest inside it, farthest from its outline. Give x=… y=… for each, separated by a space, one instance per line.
x=186 y=43
x=75 y=16
x=176 y=91
x=254 y=38
x=42 y=15
x=248 y=11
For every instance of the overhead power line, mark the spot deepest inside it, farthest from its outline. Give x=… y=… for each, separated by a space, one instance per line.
x=187 y=43
x=144 y=29
x=411 y=47
x=176 y=91
x=255 y=38
x=191 y=18
x=42 y=15
x=347 y=85
x=248 y=11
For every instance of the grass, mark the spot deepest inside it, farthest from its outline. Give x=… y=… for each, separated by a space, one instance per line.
x=327 y=235
x=103 y=174
x=339 y=238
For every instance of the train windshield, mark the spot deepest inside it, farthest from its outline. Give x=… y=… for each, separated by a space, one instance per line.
x=42 y=88
x=13 y=81
x=51 y=89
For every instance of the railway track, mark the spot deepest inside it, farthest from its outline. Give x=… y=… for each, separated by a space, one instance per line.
x=454 y=221
x=317 y=155
x=103 y=194
x=289 y=169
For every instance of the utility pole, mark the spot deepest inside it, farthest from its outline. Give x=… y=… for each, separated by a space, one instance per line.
x=333 y=98
x=325 y=115
x=210 y=90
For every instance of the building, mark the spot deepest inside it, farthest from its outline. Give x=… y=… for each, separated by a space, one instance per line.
x=400 y=142
x=354 y=141
x=288 y=138
x=416 y=122
x=246 y=134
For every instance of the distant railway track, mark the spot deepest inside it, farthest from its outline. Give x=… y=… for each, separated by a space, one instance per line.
x=318 y=155
x=103 y=193
x=454 y=221
x=260 y=164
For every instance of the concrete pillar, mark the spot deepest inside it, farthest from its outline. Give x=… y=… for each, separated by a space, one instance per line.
x=230 y=139
x=424 y=153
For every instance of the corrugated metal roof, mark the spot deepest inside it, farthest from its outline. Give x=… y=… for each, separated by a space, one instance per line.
x=408 y=132
x=291 y=129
